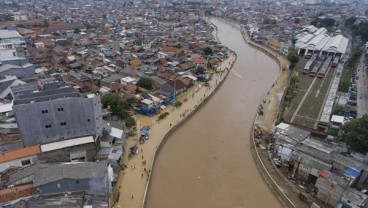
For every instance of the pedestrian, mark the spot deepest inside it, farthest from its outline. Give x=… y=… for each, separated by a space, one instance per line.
x=142 y=175
x=132 y=196
x=170 y=125
x=145 y=170
x=142 y=157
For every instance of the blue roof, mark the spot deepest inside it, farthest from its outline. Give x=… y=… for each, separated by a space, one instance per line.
x=352 y=173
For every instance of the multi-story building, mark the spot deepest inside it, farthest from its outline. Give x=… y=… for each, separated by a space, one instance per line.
x=50 y=111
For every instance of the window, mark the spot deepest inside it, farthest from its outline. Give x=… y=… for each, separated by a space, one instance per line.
x=26 y=162
x=58 y=185
x=77 y=181
x=45 y=111
x=60 y=109
x=88 y=120
x=63 y=123
x=48 y=126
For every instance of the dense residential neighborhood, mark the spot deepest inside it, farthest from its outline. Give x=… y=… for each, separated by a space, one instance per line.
x=75 y=75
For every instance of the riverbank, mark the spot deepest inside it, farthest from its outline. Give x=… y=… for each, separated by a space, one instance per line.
x=134 y=181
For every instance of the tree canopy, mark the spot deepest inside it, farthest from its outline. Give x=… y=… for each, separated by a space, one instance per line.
x=350 y=21
x=361 y=30
x=145 y=83
x=323 y=22
x=293 y=58
x=200 y=70
x=207 y=51
x=119 y=108
x=355 y=134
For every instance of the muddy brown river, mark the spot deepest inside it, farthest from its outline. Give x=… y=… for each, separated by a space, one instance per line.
x=207 y=161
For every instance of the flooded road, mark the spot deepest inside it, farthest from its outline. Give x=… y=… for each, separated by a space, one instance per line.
x=207 y=161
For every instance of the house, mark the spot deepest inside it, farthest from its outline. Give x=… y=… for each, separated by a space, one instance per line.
x=89 y=177
x=288 y=135
x=127 y=80
x=200 y=61
x=353 y=198
x=60 y=111
x=5 y=84
x=330 y=188
x=347 y=167
x=173 y=88
x=21 y=157
x=17 y=192
x=147 y=103
x=274 y=43
x=337 y=121
x=80 y=149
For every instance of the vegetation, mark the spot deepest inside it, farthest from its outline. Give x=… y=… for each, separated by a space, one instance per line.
x=361 y=30
x=269 y=21
x=145 y=83
x=119 y=108
x=208 y=51
x=5 y=17
x=178 y=103
x=297 y=21
x=355 y=134
x=348 y=70
x=163 y=115
x=55 y=34
x=291 y=92
x=350 y=22
x=333 y=132
x=338 y=110
x=208 y=12
x=200 y=70
x=77 y=31
x=323 y=22
x=293 y=58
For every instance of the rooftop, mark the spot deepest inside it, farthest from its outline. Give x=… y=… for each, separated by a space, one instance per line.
x=19 y=153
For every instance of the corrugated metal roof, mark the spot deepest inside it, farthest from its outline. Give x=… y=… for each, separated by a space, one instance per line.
x=66 y=143
x=83 y=170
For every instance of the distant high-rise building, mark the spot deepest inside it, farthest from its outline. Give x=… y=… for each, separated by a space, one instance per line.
x=49 y=111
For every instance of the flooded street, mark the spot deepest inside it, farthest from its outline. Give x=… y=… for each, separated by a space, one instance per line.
x=207 y=161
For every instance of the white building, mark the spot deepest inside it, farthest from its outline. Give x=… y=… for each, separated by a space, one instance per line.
x=12 y=36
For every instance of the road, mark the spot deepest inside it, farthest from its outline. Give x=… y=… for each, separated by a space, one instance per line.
x=362 y=85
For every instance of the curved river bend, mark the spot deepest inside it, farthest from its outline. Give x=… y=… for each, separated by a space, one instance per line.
x=207 y=161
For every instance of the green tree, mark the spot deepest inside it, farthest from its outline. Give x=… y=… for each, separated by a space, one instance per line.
x=355 y=134
x=208 y=51
x=297 y=21
x=119 y=108
x=77 y=31
x=55 y=34
x=145 y=83
x=323 y=22
x=293 y=58
x=350 y=21
x=200 y=70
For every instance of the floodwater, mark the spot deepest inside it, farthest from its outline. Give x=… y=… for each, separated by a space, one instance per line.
x=207 y=161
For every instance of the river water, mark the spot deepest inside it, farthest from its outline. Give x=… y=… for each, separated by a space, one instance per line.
x=207 y=161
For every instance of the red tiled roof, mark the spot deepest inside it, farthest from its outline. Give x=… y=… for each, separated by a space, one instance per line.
x=274 y=42
x=16 y=192
x=19 y=153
